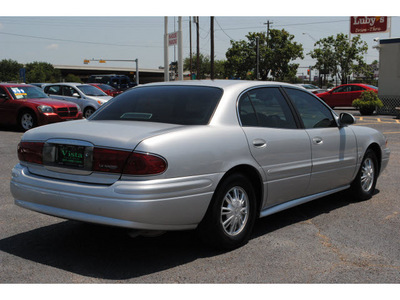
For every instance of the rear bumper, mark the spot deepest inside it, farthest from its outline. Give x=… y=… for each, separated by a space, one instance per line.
x=166 y=204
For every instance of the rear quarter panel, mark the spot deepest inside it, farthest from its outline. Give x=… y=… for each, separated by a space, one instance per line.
x=201 y=150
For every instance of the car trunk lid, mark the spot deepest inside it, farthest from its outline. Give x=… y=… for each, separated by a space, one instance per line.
x=69 y=148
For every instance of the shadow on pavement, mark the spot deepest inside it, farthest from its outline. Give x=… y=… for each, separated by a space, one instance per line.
x=109 y=253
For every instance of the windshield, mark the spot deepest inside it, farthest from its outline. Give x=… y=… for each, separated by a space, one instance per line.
x=372 y=86
x=27 y=92
x=90 y=90
x=310 y=86
x=106 y=87
x=184 y=105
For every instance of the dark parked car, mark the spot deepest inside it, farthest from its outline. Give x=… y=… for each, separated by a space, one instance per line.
x=345 y=94
x=120 y=82
x=28 y=106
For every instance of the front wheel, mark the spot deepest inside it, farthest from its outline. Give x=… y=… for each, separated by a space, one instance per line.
x=88 y=112
x=27 y=120
x=230 y=218
x=363 y=185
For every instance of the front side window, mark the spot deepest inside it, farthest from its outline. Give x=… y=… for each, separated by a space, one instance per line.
x=313 y=112
x=265 y=107
x=53 y=90
x=184 y=105
x=342 y=89
x=355 y=88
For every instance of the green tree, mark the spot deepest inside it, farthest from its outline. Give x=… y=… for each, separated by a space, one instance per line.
x=9 y=70
x=205 y=66
x=72 y=78
x=276 y=52
x=339 y=56
x=42 y=72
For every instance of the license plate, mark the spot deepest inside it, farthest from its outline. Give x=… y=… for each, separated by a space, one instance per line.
x=70 y=155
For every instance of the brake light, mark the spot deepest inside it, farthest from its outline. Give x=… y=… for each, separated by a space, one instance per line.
x=30 y=152
x=131 y=163
x=107 y=160
x=144 y=164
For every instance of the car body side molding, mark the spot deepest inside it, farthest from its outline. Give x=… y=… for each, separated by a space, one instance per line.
x=292 y=203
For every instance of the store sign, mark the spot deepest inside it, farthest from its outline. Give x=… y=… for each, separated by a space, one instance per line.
x=173 y=38
x=360 y=25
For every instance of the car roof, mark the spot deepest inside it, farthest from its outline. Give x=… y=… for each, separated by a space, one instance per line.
x=67 y=83
x=223 y=84
x=7 y=84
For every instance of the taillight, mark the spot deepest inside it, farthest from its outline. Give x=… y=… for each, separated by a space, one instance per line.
x=31 y=152
x=144 y=164
x=131 y=163
x=111 y=161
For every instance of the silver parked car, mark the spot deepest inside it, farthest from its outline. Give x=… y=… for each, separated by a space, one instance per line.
x=211 y=155
x=88 y=97
x=311 y=88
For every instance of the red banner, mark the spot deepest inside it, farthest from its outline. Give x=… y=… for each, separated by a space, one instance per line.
x=360 y=25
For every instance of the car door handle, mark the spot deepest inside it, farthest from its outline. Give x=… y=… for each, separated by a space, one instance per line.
x=259 y=143
x=318 y=141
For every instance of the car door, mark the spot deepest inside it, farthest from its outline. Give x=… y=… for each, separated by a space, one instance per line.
x=333 y=148
x=340 y=96
x=54 y=91
x=354 y=93
x=280 y=148
x=8 y=107
x=71 y=94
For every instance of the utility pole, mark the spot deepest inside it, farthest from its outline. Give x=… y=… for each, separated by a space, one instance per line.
x=166 y=64
x=212 y=47
x=198 y=47
x=258 y=58
x=180 y=50
x=190 y=41
x=268 y=23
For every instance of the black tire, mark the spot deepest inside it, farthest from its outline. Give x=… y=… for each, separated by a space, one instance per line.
x=363 y=185
x=27 y=120
x=88 y=112
x=230 y=217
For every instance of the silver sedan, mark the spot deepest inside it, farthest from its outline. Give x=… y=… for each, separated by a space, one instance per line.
x=205 y=155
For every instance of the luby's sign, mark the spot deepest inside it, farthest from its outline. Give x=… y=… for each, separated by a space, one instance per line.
x=359 y=25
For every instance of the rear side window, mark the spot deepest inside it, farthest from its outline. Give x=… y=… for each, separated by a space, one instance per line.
x=265 y=107
x=184 y=105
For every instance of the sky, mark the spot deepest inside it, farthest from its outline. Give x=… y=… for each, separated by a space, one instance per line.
x=96 y=29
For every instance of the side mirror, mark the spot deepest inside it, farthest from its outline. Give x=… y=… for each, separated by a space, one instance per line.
x=76 y=95
x=346 y=119
x=3 y=95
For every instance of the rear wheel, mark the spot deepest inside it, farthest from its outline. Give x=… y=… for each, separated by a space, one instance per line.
x=27 y=120
x=231 y=215
x=363 y=185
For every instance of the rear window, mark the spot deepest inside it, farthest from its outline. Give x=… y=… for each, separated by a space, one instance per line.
x=184 y=105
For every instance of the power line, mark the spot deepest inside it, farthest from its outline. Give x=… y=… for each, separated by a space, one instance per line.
x=74 y=41
x=223 y=30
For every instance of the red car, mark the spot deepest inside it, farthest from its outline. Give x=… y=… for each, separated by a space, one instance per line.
x=108 y=89
x=345 y=94
x=28 y=106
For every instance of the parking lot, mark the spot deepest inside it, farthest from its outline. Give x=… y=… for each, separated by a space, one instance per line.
x=330 y=240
